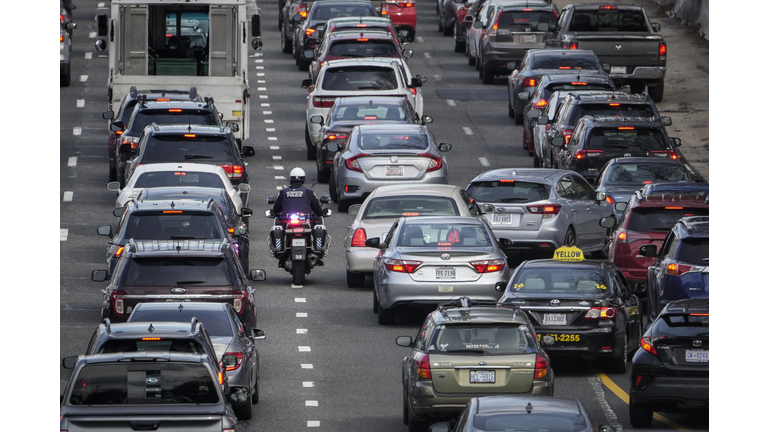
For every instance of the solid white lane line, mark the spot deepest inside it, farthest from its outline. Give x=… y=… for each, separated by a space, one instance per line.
x=484 y=161
x=307 y=366
x=308 y=384
x=310 y=403
x=468 y=131
x=300 y=300
x=313 y=423
x=274 y=148
x=302 y=331
x=88 y=55
x=83 y=78
x=301 y=314
x=68 y=195
x=304 y=349
x=80 y=103
x=72 y=161
x=77 y=130
x=63 y=233
x=450 y=102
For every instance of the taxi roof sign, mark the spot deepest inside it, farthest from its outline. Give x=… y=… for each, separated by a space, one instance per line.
x=568 y=253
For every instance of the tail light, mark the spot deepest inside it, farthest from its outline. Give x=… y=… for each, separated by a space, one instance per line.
x=309 y=32
x=237 y=355
x=119 y=252
x=631 y=237
x=414 y=91
x=129 y=140
x=647 y=343
x=583 y=154
x=642 y=380
x=678 y=269
x=118 y=132
x=541 y=103
x=435 y=164
x=609 y=199
x=61 y=38
x=662 y=51
x=233 y=171
x=238 y=298
x=567 y=134
x=352 y=163
x=601 y=313
x=406 y=5
x=488 y=266
x=118 y=304
x=422 y=365
x=541 y=367
x=664 y=153
x=548 y=210
x=529 y=82
x=362 y=39
x=358 y=238
x=401 y=266
x=495 y=25
x=384 y=9
x=221 y=378
x=302 y=10
x=614 y=7
x=573 y=45
x=332 y=136
x=323 y=102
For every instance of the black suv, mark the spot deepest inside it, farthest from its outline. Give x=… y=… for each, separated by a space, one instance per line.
x=671 y=371
x=597 y=140
x=145 y=112
x=158 y=391
x=181 y=216
x=178 y=270
x=125 y=110
x=212 y=145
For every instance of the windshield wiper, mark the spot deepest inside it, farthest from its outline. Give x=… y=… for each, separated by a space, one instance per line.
x=186 y=237
x=190 y=282
x=197 y=156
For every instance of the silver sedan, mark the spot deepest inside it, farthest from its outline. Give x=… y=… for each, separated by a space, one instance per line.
x=542 y=209
x=377 y=155
x=428 y=260
x=384 y=206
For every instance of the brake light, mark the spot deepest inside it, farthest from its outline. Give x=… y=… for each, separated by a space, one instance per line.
x=61 y=38
x=411 y=214
x=118 y=304
x=173 y=211
x=548 y=210
x=231 y=230
x=384 y=9
x=581 y=154
x=413 y=90
x=678 y=269
x=118 y=133
x=405 y=5
x=132 y=141
x=613 y=7
x=174 y=110
x=573 y=45
x=541 y=367
x=647 y=343
x=495 y=27
x=401 y=266
x=506 y=181
x=622 y=237
x=323 y=102
x=626 y=128
x=119 y=252
x=609 y=199
x=529 y=82
x=614 y=104
x=664 y=153
x=333 y=136
x=310 y=31
x=238 y=298
x=150 y=339
x=233 y=171
x=358 y=238
x=601 y=312
x=662 y=51
x=163 y=99
x=435 y=164
x=221 y=378
x=488 y=266
x=541 y=103
x=352 y=163
x=190 y=136
x=579 y=83
x=422 y=365
x=237 y=355
x=362 y=40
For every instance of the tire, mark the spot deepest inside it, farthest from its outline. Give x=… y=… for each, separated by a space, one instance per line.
x=447 y=30
x=311 y=149
x=323 y=176
x=375 y=304
x=255 y=397
x=387 y=317
x=440 y=27
x=640 y=415
x=518 y=119
x=486 y=76
x=332 y=188
x=405 y=411
x=536 y=161
x=619 y=364
x=298 y=272
x=471 y=60
x=355 y=280
x=570 y=237
x=458 y=46
x=285 y=44
x=603 y=253
x=66 y=78
x=112 y=174
x=245 y=411
x=418 y=426
x=344 y=205
x=636 y=87
x=510 y=111
x=303 y=64
x=656 y=92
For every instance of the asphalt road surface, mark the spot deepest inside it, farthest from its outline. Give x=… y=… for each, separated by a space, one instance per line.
x=348 y=379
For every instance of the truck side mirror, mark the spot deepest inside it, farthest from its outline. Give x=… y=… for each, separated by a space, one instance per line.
x=101 y=25
x=99 y=275
x=656 y=27
x=255 y=25
x=257 y=275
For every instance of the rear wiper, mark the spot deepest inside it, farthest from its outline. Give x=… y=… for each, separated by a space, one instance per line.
x=190 y=282
x=197 y=156
x=186 y=237
x=513 y=199
x=373 y=88
x=468 y=351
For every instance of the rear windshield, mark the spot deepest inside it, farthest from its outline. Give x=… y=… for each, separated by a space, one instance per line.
x=487 y=340
x=184 y=272
x=360 y=78
x=608 y=20
x=574 y=85
x=326 y=12
x=364 y=113
x=521 y=21
x=660 y=219
x=363 y=48
x=694 y=251
x=394 y=207
x=627 y=138
x=641 y=174
x=144 y=383
x=508 y=191
x=180 y=148
x=164 y=344
x=389 y=141
x=606 y=110
x=565 y=62
x=173 y=226
x=549 y=421
x=166 y=116
x=682 y=325
x=216 y=322
x=444 y=235
x=178 y=178
x=561 y=281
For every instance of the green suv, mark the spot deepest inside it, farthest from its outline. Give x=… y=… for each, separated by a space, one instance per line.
x=469 y=349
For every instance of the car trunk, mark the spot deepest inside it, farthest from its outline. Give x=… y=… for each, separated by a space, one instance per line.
x=568 y=315
x=514 y=217
x=164 y=423
x=634 y=49
x=504 y=374
x=394 y=166
x=437 y=269
x=137 y=294
x=684 y=354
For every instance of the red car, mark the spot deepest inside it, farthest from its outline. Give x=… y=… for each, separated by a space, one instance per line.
x=646 y=221
x=403 y=16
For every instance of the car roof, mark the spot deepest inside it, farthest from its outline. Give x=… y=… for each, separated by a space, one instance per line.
x=443 y=219
x=356 y=33
x=548 y=262
x=194 y=248
x=582 y=76
x=644 y=160
x=478 y=315
x=612 y=96
x=510 y=404
x=156 y=329
x=554 y=52
x=598 y=5
x=144 y=355
x=162 y=93
x=362 y=61
x=693 y=227
x=526 y=4
x=546 y=175
x=612 y=121
x=412 y=189
x=400 y=127
x=181 y=103
x=700 y=305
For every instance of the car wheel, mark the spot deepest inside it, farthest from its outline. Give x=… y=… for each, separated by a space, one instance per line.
x=323 y=176
x=457 y=46
x=570 y=237
x=640 y=415
x=619 y=364
x=66 y=78
x=332 y=188
x=486 y=76
x=603 y=253
x=447 y=30
x=285 y=43
x=355 y=280
x=311 y=149
x=297 y=271
x=255 y=397
x=439 y=23
x=405 y=411
x=418 y=426
x=536 y=161
x=112 y=173
x=303 y=64
x=471 y=60
x=518 y=118
x=375 y=304
x=636 y=87
x=656 y=92
x=386 y=317
x=344 y=204
x=245 y=411
x=510 y=111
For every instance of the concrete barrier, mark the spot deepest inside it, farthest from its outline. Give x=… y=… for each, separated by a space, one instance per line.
x=690 y=12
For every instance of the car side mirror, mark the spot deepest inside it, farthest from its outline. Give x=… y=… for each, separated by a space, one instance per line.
x=469 y=19
x=404 y=341
x=354 y=209
x=258 y=334
x=415 y=82
x=309 y=54
x=246 y=212
x=542 y=120
x=296 y=19
x=332 y=147
x=372 y=242
x=255 y=25
x=306 y=83
x=101 y=26
x=99 y=275
x=534 y=113
x=108 y=115
x=249 y=151
x=620 y=206
x=316 y=119
x=489 y=208
x=325 y=199
x=656 y=27
x=444 y=147
x=69 y=362
x=234 y=127
x=666 y=121
x=106 y=230
x=425 y=119
x=118 y=211
x=257 y=275
x=113 y=186
x=270 y=213
x=116 y=126
x=524 y=96
x=243 y=188
x=608 y=222
x=327 y=212
x=675 y=141
x=558 y=141
x=407 y=53
x=512 y=65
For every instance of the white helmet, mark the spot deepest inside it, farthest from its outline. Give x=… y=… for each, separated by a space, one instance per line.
x=297 y=174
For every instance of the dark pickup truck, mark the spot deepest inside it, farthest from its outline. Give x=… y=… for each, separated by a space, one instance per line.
x=626 y=42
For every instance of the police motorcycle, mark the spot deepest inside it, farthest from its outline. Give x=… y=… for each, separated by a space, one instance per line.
x=299 y=240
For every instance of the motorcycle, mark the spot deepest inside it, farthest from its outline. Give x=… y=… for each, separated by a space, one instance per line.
x=299 y=240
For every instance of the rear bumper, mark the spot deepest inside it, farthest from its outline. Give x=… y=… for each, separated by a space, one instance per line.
x=360 y=186
x=404 y=292
x=590 y=343
x=643 y=73
x=691 y=391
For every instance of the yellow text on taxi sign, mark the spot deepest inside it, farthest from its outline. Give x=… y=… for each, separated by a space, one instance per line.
x=566 y=253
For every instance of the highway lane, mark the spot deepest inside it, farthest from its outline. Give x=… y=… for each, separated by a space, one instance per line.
x=349 y=377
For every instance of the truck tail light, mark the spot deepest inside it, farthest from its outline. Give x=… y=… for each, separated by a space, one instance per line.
x=488 y=266
x=435 y=164
x=601 y=313
x=541 y=367
x=238 y=298
x=573 y=45
x=401 y=266
x=323 y=102
x=548 y=210
x=233 y=171
x=662 y=51
x=358 y=238
x=422 y=365
x=352 y=163
x=118 y=304
x=237 y=355
x=583 y=154
x=664 y=153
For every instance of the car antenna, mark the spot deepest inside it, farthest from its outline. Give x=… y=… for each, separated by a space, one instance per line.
x=181 y=308
x=173 y=204
x=189 y=128
x=151 y=328
x=529 y=408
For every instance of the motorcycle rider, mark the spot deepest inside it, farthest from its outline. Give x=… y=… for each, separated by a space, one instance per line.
x=298 y=199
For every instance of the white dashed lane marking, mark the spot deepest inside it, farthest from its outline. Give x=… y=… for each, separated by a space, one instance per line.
x=306 y=366
x=450 y=102
x=438 y=78
x=68 y=195
x=100 y=5
x=63 y=233
x=302 y=331
x=276 y=157
x=92 y=35
x=300 y=300
x=258 y=74
x=77 y=130
x=267 y=112
x=264 y=105
x=83 y=78
x=80 y=103
x=268 y=121
x=301 y=314
x=263 y=97
x=261 y=89
x=419 y=39
x=305 y=349
x=72 y=161
x=259 y=61
x=468 y=131
x=427 y=56
x=313 y=423
x=259 y=67
x=274 y=148
x=279 y=187
x=310 y=403
x=272 y=138
x=278 y=167
x=270 y=129
x=88 y=55
x=308 y=384
x=484 y=161
x=261 y=81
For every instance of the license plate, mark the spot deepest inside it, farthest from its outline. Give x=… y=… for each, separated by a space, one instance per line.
x=529 y=38
x=554 y=319
x=445 y=273
x=189 y=178
x=299 y=243
x=394 y=170
x=482 y=377
x=618 y=69
x=502 y=219
x=697 y=356
x=444 y=288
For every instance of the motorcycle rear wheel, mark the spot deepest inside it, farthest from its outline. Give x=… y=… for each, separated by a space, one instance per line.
x=297 y=269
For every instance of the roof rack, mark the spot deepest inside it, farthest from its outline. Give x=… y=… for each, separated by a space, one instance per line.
x=193 y=92
x=694 y=220
x=194 y=322
x=133 y=92
x=107 y=324
x=466 y=302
